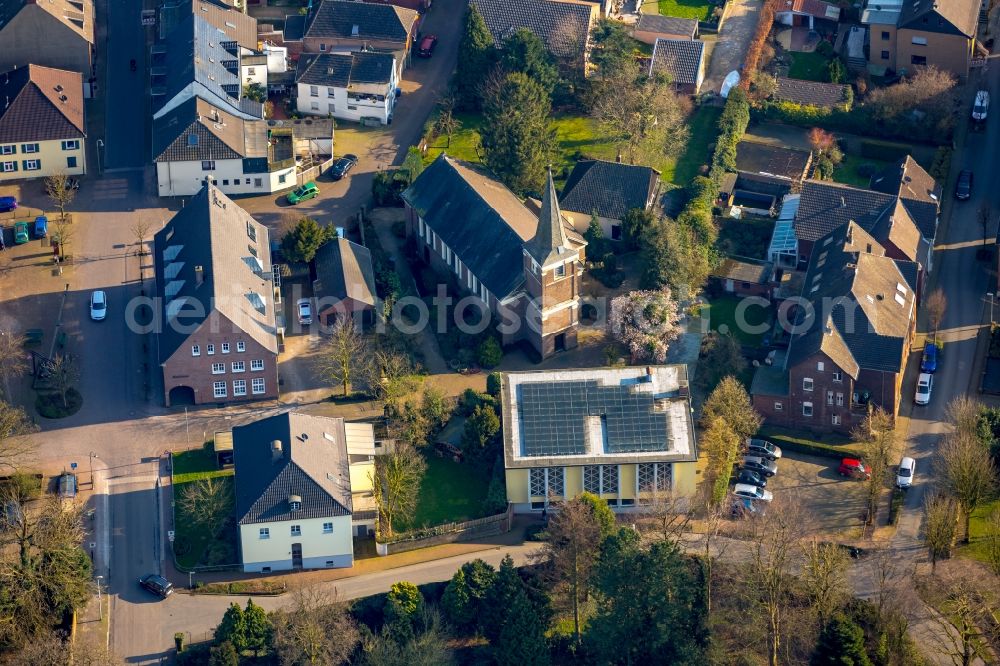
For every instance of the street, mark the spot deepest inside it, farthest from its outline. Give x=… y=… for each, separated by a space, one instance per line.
x=127 y=111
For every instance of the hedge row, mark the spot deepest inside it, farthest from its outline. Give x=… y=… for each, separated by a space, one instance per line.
x=881 y=150
x=855 y=121
x=787 y=442
x=751 y=61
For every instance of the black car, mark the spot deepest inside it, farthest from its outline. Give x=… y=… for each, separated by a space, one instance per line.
x=751 y=477
x=963 y=186
x=158 y=585
x=342 y=166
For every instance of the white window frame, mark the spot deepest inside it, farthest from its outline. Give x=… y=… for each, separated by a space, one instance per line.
x=840 y=400
x=239 y=387
x=238 y=366
x=835 y=419
x=807 y=409
x=807 y=384
x=838 y=376
x=29 y=148
x=829 y=398
x=779 y=406
x=255 y=382
x=219 y=390
x=218 y=368
x=820 y=366
x=71 y=144
x=225 y=347
x=210 y=349
x=265 y=533
x=195 y=350
x=256 y=365
x=241 y=346
x=8 y=167
x=327 y=528
x=314 y=91
x=32 y=165
x=918 y=41
x=295 y=530
x=8 y=150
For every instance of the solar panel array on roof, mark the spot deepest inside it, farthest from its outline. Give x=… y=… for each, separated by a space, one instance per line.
x=554 y=419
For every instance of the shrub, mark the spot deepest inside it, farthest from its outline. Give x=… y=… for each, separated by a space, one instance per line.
x=895 y=505
x=489 y=353
x=468 y=401
x=493 y=383
x=825 y=49
x=941 y=164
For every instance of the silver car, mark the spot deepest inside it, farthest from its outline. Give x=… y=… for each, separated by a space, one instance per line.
x=98 y=305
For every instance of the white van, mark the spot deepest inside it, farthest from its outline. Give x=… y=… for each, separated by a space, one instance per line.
x=981 y=106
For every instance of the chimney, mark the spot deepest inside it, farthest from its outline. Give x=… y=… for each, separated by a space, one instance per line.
x=199 y=279
x=276 y=450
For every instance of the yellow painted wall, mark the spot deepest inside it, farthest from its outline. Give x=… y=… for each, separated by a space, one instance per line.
x=52 y=158
x=574 y=481
x=626 y=481
x=684 y=478
x=361 y=477
x=517 y=486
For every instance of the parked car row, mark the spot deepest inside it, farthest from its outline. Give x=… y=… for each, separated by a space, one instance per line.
x=855 y=469
x=759 y=464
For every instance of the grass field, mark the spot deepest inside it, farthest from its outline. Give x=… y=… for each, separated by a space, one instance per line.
x=197 y=464
x=722 y=317
x=696 y=9
x=450 y=492
x=977 y=531
x=808 y=66
x=193 y=545
x=847 y=172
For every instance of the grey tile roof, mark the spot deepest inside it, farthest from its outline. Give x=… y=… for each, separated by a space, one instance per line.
x=344 y=270
x=212 y=232
x=234 y=24
x=761 y=158
x=771 y=379
x=218 y=135
x=744 y=270
x=340 y=70
x=919 y=192
x=64 y=11
x=339 y=18
x=312 y=464
x=680 y=59
x=610 y=188
x=950 y=17
x=825 y=206
x=550 y=241
x=810 y=93
x=667 y=25
x=41 y=104
x=868 y=325
x=295 y=28
x=564 y=27
x=482 y=221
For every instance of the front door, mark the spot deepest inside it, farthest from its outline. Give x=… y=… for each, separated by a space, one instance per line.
x=560 y=342
x=296 y=555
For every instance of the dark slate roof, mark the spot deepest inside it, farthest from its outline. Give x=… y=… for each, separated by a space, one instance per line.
x=234 y=24
x=753 y=271
x=610 y=188
x=550 y=242
x=825 y=206
x=919 y=192
x=338 y=18
x=312 y=463
x=66 y=12
x=482 y=221
x=214 y=233
x=680 y=59
x=667 y=25
x=340 y=70
x=295 y=28
x=41 y=104
x=564 y=27
x=868 y=325
x=218 y=135
x=810 y=93
x=761 y=158
x=344 y=270
x=949 y=17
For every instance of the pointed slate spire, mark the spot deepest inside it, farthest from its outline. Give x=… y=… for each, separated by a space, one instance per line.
x=550 y=239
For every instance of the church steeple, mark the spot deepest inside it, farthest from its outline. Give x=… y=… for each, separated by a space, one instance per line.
x=550 y=241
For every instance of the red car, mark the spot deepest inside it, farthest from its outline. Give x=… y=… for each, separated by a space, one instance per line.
x=427 y=45
x=854 y=468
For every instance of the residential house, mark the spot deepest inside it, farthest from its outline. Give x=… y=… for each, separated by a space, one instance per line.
x=813 y=93
x=345 y=282
x=807 y=13
x=416 y=5
x=563 y=25
x=234 y=24
x=218 y=328
x=523 y=263
x=303 y=491
x=743 y=276
x=853 y=340
x=42 y=124
x=609 y=190
x=623 y=434
x=349 y=86
x=683 y=61
x=343 y=26
x=651 y=27
x=51 y=33
x=904 y=34
x=771 y=170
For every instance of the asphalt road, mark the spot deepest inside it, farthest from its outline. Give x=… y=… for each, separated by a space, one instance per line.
x=126 y=135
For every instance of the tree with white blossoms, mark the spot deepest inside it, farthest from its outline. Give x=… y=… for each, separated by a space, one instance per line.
x=646 y=322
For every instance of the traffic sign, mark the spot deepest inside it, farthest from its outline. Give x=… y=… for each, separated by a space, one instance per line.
x=72 y=465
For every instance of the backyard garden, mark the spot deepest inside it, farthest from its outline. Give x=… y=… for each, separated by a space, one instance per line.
x=204 y=531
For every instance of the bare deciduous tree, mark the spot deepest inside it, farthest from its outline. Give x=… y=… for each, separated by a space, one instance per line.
x=984 y=215
x=396 y=485
x=936 y=305
x=669 y=514
x=315 y=629
x=825 y=578
x=446 y=122
x=962 y=598
x=991 y=540
x=55 y=650
x=967 y=472
x=940 y=525
x=880 y=446
x=57 y=187
x=963 y=413
x=63 y=373
x=344 y=356
x=208 y=503
x=13 y=359
x=15 y=446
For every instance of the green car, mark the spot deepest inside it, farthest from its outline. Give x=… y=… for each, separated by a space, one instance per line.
x=20 y=233
x=304 y=193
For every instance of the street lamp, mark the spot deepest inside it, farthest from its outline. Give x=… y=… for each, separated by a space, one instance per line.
x=989 y=295
x=92 y=456
x=100 y=604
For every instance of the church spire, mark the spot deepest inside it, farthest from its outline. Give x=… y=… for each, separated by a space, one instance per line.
x=550 y=238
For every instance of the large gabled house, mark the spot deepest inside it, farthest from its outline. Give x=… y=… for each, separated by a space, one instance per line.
x=51 y=33
x=349 y=86
x=609 y=190
x=523 y=262
x=303 y=491
x=850 y=344
x=217 y=340
x=904 y=34
x=42 y=123
x=623 y=434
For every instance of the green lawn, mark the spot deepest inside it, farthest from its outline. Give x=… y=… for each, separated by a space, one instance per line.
x=977 y=531
x=808 y=66
x=722 y=317
x=193 y=545
x=197 y=464
x=850 y=171
x=450 y=492
x=704 y=128
x=696 y=9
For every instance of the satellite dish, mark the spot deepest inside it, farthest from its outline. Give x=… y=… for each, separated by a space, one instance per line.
x=731 y=81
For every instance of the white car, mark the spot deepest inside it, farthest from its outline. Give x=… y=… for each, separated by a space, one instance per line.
x=904 y=476
x=746 y=491
x=98 y=305
x=304 y=309
x=925 y=382
x=981 y=106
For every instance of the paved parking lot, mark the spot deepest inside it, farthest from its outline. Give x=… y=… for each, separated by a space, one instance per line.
x=835 y=504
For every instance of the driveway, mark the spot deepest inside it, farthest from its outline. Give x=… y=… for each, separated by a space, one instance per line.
x=738 y=26
x=834 y=504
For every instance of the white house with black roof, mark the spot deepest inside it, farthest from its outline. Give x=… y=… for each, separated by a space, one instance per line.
x=623 y=434
x=609 y=190
x=347 y=86
x=303 y=491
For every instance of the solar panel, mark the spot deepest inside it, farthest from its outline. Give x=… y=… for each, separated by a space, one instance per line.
x=554 y=418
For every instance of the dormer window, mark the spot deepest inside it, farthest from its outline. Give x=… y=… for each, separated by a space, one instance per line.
x=294 y=503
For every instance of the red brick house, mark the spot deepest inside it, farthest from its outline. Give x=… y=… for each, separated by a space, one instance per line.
x=345 y=282
x=850 y=339
x=523 y=263
x=217 y=329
